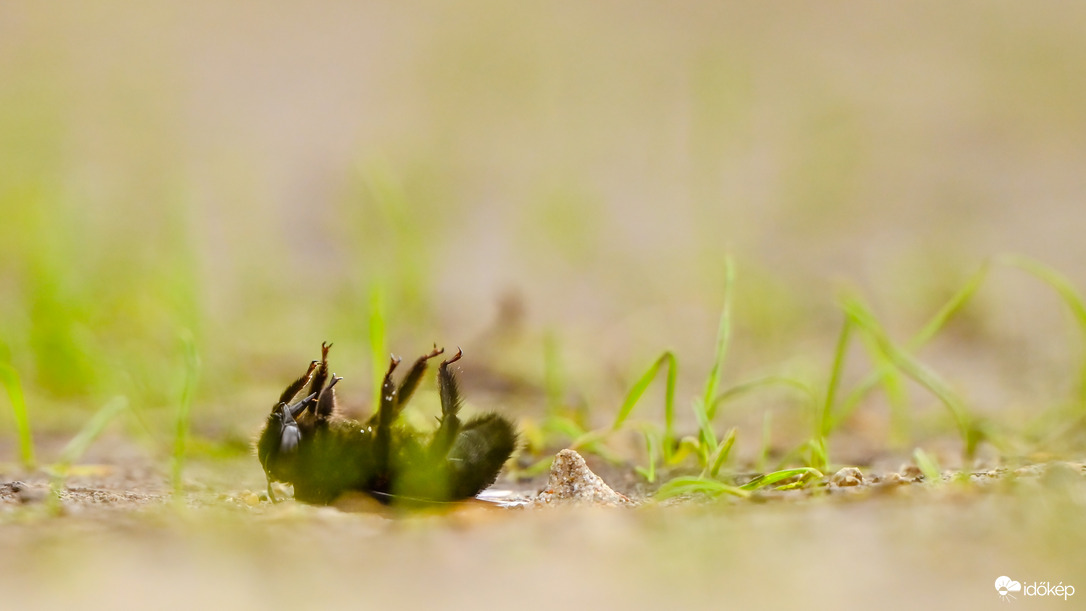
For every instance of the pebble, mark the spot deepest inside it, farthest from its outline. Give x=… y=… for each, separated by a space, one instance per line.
x=891 y=479
x=849 y=476
x=910 y=471
x=573 y=483
x=1031 y=470
x=29 y=495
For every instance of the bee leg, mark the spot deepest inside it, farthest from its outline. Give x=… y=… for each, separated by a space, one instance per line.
x=320 y=376
x=478 y=454
x=326 y=404
x=271 y=494
x=414 y=375
x=408 y=385
x=386 y=414
x=296 y=386
x=450 y=406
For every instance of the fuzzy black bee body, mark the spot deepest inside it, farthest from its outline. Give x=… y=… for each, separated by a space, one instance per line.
x=325 y=455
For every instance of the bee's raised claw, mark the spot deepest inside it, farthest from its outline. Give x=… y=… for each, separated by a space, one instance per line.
x=456 y=357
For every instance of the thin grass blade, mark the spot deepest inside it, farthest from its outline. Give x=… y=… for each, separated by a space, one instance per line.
x=77 y=446
x=722 y=453
x=804 y=473
x=723 y=336
x=378 y=344
x=10 y=379
x=927 y=464
x=181 y=431
x=824 y=416
x=1066 y=290
x=652 y=449
x=638 y=390
x=683 y=486
x=766 y=381
x=893 y=385
x=763 y=453
x=919 y=373
x=933 y=326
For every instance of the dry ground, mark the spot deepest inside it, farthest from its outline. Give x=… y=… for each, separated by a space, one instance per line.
x=119 y=541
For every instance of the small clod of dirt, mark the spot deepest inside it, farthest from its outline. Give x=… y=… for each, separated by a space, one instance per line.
x=24 y=493
x=848 y=476
x=891 y=479
x=573 y=483
x=910 y=471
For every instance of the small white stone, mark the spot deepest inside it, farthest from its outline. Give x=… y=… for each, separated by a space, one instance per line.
x=849 y=476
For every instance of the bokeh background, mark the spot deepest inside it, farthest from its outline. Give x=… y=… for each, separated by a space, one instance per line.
x=552 y=187
x=194 y=195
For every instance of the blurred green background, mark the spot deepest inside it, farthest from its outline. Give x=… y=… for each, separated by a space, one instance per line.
x=553 y=187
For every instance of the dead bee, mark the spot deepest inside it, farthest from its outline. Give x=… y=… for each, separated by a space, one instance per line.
x=325 y=455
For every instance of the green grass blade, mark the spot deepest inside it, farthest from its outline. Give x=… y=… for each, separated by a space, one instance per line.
x=564 y=426
x=681 y=486
x=823 y=418
x=762 y=481
x=181 y=431
x=919 y=373
x=933 y=326
x=669 y=403
x=1066 y=290
x=552 y=373
x=378 y=343
x=707 y=441
x=1056 y=280
x=817 y=455
x=10 y=379
x=723 y=337
x=536 y=468
x=580 y=439
x=893 y=385
x=763 y=453
x=836 y=371
x=722 y=453
x=928 y=466
x=688 y=446
x=950 y=309
x=652 y=449
x=589 y=439
x=77 y=446
x=772 y=380
x=639 y=388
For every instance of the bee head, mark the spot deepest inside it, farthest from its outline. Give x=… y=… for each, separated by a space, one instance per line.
x=281 y=435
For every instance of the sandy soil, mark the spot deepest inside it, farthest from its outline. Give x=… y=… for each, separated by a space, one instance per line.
x=117 y=540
